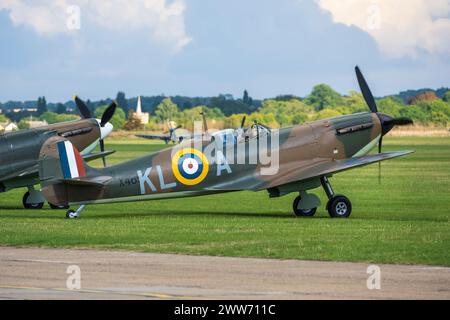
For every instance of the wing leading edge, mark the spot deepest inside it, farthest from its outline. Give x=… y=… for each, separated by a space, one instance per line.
x=322 y=168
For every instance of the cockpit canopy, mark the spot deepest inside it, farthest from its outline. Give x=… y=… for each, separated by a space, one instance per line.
x=223 y=137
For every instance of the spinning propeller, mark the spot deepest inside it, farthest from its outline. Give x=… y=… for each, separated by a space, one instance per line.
x=387 y=122
x=105 y=126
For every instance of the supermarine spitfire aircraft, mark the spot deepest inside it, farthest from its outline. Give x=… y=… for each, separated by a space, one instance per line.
x=309 y=154
x=19 y=151
x=172 y=136
x=169 y=136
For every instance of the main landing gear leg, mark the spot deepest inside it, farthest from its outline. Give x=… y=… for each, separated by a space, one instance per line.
x=33 y=199
x=338 y=206
x=72 y=214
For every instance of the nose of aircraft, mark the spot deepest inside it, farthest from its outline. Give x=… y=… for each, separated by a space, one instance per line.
x=388 y=122
x=105 y=130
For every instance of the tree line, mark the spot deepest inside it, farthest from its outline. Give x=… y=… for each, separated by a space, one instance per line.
x=223 y=111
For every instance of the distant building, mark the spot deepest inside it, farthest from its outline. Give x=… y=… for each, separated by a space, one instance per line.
x=227 y=96
x=17 y=110
x=143 y=116
x=8 y=127
x=36 y=123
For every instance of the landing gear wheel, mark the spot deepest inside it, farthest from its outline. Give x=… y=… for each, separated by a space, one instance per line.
x=302 y=212
x=55 y=207
x=26 y=205
x=339 y=207
x=71 y=214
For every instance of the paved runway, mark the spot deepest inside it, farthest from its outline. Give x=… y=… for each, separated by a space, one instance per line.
x=34 y=273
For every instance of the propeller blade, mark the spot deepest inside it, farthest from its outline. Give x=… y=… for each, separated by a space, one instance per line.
x=82 y=107
x=401 y=121
x=102 y=149
x=243 y=121
x=380 y=144
x=108 y=114
x=205 y=123
x=367 y=94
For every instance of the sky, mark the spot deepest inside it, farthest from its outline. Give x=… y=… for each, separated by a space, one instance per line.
x=58 y=48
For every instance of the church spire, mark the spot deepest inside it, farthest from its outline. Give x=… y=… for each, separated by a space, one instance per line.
x=139 y=107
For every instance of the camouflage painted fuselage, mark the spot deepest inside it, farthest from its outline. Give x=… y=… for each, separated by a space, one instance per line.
x=19 y=151
x=305 y=151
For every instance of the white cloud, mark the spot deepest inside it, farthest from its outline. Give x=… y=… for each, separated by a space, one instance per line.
x=163 y=20
x=400 y=27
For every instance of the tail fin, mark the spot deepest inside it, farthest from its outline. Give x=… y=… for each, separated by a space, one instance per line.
x=64 y=175
x=72 y=164
x=59 y=160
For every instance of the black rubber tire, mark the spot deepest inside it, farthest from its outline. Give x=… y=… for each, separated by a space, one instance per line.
x=55 y=207
x=302 y=212
x=339 y=207
x=30 y=205
x=68 y=214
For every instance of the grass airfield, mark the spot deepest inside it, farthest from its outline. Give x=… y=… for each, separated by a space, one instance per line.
x=404 y=220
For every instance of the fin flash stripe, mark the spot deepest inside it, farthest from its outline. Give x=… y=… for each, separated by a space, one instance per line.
x=70 y=159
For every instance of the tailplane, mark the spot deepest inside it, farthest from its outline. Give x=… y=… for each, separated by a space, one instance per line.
x=64 y=175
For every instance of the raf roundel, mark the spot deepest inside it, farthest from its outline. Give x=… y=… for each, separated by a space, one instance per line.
x=190 y=166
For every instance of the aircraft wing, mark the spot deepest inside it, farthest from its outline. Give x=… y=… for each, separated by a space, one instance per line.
x=96 y=155
x=294 y=174
x=331 y=167
x=154 y=137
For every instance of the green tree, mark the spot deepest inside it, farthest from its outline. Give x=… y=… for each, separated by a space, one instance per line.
x=414 y=113
x=122 y=101
x=323 y=96
x=327 y=113
x=133 y=122
x=299 y=118
x=118 y=120
x=439 y=118
x=50 y=117
x=234 y=121
x=3 y=118
x=436 y=111
x=353 y=103
x=166 y=110
x=446 y=96
x=246 y=98
x=41 y=106
x=90 y=106
x=60 y=108
x=230 y=106
x=23 y=124
x=53 y=117
x=285 y=110
x=390 y=105
x=267 y=119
